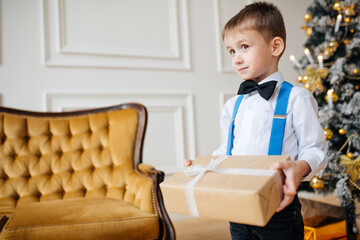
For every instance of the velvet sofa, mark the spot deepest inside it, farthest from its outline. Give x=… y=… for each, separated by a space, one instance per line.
x=79 y=175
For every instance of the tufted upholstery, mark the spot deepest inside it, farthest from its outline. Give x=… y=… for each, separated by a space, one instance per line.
x=57 y=165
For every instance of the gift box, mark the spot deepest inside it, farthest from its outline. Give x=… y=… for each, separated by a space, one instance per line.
x=317 y=208
x=240 y=189
x=330 y=229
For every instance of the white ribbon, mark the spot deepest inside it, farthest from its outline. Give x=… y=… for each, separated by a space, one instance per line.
x=199 y=171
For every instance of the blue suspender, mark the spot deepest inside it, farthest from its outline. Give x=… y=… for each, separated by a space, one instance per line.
x=278 y=126
x=232 y=126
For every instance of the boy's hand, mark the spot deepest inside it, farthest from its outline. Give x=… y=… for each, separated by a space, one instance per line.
x=187 y=162
x=294 y=172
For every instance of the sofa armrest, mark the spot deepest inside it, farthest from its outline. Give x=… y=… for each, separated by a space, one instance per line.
x=145 y=169
x=158 y=177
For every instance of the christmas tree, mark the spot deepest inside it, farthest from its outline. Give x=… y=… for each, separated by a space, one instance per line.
x=329 y=69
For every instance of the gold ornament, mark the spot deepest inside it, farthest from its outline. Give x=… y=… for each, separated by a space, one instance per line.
x=357 y=87
x=349 y=11
x=334 y=45
x=316 y=182
x=352 y=166
x=308 y=17
x=330 y=49
x=355 y=71
x=303 y=27
x=314 y=77
x=309 y=31
x=352 y=30
x=337 y=6
x=327 y=52
x=300 y=78
x=342 y=131
x=347 y=19
x=328 y=133
x=323 y=73
x=334 y=96
x=305 y=79
x=350 y=155
x=346 y=41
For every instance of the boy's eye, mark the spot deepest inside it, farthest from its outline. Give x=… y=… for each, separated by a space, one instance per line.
x=243 y=47
x=232 y=51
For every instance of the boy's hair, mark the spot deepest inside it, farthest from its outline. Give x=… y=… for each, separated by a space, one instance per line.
x=263 y=17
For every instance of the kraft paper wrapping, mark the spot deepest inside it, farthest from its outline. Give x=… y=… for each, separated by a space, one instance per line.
x=247 y=199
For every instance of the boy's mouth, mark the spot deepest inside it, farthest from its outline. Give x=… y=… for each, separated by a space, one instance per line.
x=242 y=69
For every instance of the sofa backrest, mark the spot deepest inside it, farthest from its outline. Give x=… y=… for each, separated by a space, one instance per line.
x=90 y=153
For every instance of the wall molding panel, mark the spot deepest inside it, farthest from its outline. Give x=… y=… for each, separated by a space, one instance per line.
x=64 y=55
x=1 y=35
x=170 y=135
x=110 y=42
x=224 y=97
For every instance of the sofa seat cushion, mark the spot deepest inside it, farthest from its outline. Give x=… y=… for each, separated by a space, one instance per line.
x=81 y=218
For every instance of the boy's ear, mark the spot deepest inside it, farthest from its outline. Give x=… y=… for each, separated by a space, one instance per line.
x=278 y=46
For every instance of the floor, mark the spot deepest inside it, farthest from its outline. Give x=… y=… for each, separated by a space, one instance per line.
x=198 y=229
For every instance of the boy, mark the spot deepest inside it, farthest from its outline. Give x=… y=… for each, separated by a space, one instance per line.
x=255 y=39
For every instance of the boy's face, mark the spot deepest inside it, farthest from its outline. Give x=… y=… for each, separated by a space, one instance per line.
x=252 y=56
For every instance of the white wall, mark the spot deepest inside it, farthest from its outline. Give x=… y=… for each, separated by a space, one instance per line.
x=58 y=55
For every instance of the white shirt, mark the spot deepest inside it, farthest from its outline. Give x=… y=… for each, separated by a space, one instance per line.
x=304 y=137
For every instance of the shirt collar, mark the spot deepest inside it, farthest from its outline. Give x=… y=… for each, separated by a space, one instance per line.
x=277 y=76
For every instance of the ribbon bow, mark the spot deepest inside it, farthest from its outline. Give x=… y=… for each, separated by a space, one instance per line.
x=198 y=169
x=353 y=166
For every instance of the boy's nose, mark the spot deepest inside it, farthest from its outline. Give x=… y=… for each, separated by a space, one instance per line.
x=238 y=58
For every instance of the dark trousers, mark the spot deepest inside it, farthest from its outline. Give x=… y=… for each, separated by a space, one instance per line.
x=285 y=225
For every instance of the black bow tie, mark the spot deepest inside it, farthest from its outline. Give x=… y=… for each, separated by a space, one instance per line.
x=265 y=90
